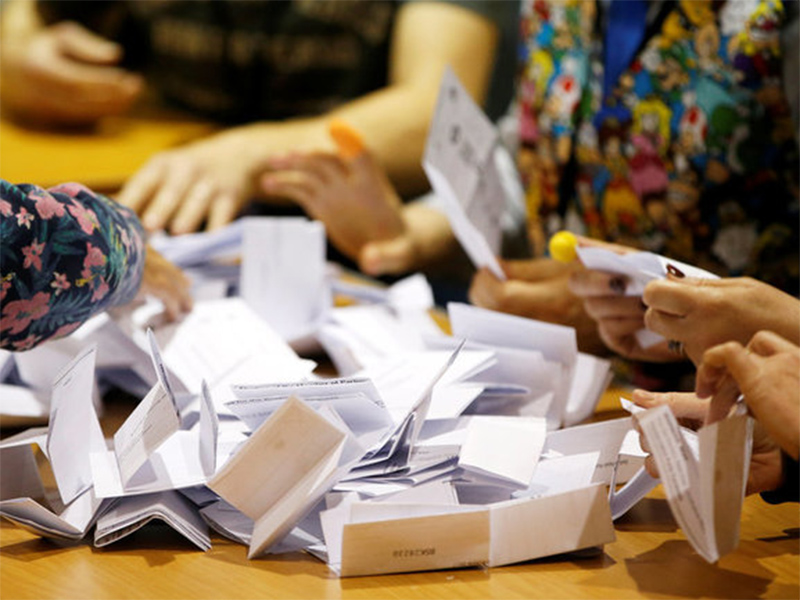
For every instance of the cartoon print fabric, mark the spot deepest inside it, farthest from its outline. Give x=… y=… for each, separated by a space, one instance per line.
x=690 y=152
x=65 y=254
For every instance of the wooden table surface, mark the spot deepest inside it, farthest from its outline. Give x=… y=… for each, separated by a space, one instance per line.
x=103 y=157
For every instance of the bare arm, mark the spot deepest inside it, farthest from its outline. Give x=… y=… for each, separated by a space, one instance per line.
x=428 y=37
x=211 y=179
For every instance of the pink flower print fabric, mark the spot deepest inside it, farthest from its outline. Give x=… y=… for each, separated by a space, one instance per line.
x=65 y=254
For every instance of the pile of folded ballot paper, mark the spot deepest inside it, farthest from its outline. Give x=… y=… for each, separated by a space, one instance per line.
x=428 y=451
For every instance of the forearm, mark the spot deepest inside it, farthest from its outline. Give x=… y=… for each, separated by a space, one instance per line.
x=66 y=255
x=396 y=142
x=394 y=120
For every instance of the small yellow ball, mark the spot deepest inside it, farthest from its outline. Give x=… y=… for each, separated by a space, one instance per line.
x=562 y=246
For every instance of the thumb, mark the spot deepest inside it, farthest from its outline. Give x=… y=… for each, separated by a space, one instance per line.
x=384 y=257
x=81 y=44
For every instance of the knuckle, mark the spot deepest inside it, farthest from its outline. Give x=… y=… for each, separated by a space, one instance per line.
x=592 y=307
x=499 y=298
x=760 y=337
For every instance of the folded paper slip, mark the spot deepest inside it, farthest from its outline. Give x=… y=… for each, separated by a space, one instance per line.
x=704 y=481
x=284 y=468
x=494 y=535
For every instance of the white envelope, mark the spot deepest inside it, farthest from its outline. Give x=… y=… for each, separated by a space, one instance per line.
x=356 y=400
x=72 y=523
x=557 y=343
x=213 y=340
x=504 y=447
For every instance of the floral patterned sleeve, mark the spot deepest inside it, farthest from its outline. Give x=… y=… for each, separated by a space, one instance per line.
x=65 y=254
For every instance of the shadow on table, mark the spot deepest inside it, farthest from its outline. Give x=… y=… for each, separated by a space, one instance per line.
x=649 y=514
x=790 y=536
x=676 y=570
x=33 y=549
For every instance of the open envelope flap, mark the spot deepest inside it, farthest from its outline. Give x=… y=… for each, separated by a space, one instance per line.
x=32 y=516
x=531 y=528
x=72 y=524
x=726 y=445
x=19 y=475
x=149 y=425
x=289 y=509
x=285 y=454
x=74 y=431
x=458 y=539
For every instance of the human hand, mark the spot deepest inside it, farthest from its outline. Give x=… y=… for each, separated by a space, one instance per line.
x=351 y=196
x=166 y=282
x=767 y=374
x=766 y=469
x=701 y=313
x=209 y=180
x=619 y=317
x=537 y=289
x=66 y=75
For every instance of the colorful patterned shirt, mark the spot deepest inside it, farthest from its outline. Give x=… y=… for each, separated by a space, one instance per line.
x=65 y=254
x=691 y=152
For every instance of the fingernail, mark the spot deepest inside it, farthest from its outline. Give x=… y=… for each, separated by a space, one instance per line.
x=617 y=285
x=674 y=271
x=676 y=347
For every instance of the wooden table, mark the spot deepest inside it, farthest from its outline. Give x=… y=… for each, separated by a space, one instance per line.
x=102 y=158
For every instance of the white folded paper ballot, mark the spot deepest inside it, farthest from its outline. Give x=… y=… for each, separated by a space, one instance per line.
x=448 y=537
x=705 y=486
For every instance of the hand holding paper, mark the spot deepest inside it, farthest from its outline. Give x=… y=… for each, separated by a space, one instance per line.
x=611 y=287
x=766 y=374
x=701 y=313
